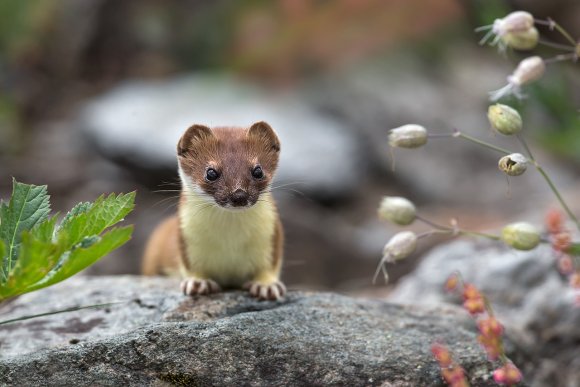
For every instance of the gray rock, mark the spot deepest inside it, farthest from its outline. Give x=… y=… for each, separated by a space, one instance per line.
x=526 y=291
x=159 y=337
x=140 y=122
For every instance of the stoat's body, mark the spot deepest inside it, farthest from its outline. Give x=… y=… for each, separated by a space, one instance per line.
x=227 y=232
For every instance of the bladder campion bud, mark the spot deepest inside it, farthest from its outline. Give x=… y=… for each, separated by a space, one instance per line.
x=400 y=246
x=513 y=22
x=513 y=165
x=408 y=136
x=522 y=40
x=521 y=236
x=397 y=210
x=504 y=119
x=515 y=30
x=528 y=70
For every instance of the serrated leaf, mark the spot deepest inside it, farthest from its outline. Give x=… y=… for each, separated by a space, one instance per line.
x=28 y=207
x=76 y=210
x=105 y=212
x=36 y=259
x=72 y=262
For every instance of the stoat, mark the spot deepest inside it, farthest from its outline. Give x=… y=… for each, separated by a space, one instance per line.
x=227 y=232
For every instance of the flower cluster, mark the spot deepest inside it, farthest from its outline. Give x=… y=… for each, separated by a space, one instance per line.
x=565 y=250
x=518 y=30
x=451 y=371
x=490 y=329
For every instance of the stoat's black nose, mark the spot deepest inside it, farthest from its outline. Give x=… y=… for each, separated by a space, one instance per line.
x=239 y=198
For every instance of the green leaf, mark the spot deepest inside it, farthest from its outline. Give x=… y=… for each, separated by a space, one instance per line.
x=574 y=249
x=76 y=210
x=47 y=253
x=105 y=212
x=28 y=207
x=38 y=255
x=2 y=250
x=72 y=262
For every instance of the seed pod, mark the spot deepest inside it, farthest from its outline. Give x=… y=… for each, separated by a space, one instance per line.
x=397 y=210
x=408 y=136
x=504 y=119
x=529 y=70
x=513 y=165
x=522 y=40
x=400 y=246
x=521 y=236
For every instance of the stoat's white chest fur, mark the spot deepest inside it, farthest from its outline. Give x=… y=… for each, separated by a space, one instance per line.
x=228 y=246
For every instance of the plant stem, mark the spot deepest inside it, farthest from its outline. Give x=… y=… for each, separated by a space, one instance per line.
x=558 y=46
x=552 y=24
x=482 y=143
x=57 y=312
x=560 y=58
x=441 y=229
x=549 y=181
x=480 y=234
x=430 y=223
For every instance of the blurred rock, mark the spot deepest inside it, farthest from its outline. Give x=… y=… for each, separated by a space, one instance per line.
x=140 y=122
x=526 y=292
x=158 y=337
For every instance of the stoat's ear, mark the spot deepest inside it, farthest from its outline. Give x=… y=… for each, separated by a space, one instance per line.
x=265 y=134
x=194 y=134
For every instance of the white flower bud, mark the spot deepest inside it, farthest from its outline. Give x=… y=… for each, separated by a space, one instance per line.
x=521 y=236
x=522 y=40
x=397 y=210
x=528 y=70
x=513 y=165
x=514 y=22
x=400 y=246
x=408 y=136
x=504 y=119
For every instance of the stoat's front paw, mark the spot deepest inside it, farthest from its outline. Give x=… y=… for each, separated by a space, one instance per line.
x=272 y=291
x=195 y=286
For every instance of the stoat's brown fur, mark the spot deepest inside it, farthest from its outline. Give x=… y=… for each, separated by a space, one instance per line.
x=227 y=232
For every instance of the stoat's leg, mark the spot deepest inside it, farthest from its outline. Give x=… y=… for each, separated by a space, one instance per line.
x=193 y=286
x=266 y=286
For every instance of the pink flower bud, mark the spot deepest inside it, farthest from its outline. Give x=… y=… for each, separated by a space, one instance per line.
x=508 y=374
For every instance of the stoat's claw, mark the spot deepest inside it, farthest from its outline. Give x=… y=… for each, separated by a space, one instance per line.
x=272 y=292
x=195 y=286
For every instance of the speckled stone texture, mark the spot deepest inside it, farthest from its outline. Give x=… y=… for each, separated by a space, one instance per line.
x=156 y=336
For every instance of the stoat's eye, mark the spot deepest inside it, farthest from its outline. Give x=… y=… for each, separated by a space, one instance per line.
x=211 y=174
x=257 y=172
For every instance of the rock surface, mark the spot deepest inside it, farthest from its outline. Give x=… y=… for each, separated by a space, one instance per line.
x=526 y=291
x=158 y=337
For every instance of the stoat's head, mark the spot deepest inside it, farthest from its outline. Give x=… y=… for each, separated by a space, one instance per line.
x=231 y=166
